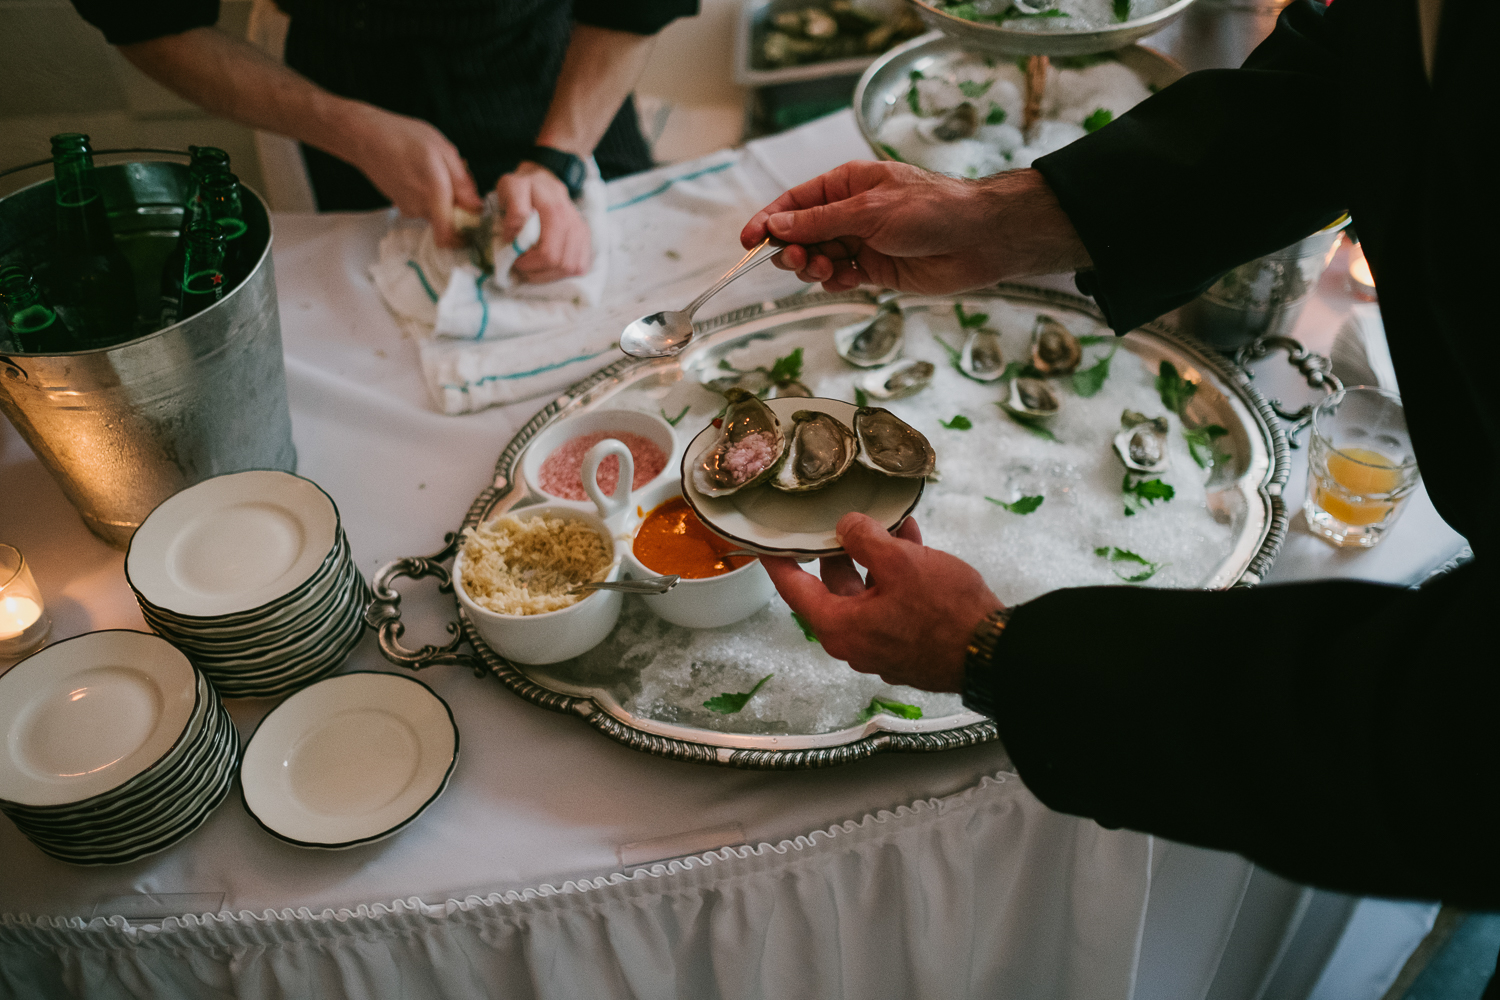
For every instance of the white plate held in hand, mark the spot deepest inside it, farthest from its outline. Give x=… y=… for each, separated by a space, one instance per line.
x=349 y=760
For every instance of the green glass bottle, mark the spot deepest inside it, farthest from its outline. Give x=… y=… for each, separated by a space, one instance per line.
x=202 y=269
x=88 y=278
x=221 y=202
x=207 y=162
x=32 y=326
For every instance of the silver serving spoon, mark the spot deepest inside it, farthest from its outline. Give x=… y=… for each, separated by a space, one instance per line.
x=663 y=334
x=650 y=585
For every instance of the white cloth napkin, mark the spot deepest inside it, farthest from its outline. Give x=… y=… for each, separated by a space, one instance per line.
x=667 y=233
x=445 y=290
x=1360 y=354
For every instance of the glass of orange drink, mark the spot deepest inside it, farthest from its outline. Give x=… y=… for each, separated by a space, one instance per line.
x=1361 y=467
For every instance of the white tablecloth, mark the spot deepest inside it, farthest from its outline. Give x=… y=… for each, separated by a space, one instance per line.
x=928 y=875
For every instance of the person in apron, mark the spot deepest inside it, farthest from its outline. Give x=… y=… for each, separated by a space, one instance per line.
x=425 y=104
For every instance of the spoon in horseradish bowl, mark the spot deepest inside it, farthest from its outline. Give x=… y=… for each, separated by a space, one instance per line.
x=649 y=585
x=663 y=334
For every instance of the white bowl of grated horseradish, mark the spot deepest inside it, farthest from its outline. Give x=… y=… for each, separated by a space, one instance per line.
x=513 y=575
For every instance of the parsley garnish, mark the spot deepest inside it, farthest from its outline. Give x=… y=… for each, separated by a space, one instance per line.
x=730 y=702
x=861 y=398
x=891 y=152
x=1176 y=391
x=1122 y=10
x=674 y=421
x=1100 y=118
x=1200 y=442
x=1019 y=369
x=896 y=708
x=915 y=101
x=783 y=372
x=1032 y=424
x=1025 y=505
x=1115 y=555
x=974 y=88
x=958 y=423
x=996 y=115
x=806 y=628
x=1090 y=339
x=1140 y=492
x=969 y=320
x=1090 y=380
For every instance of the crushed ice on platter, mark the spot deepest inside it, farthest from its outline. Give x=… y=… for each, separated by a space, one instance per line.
x=666 y=673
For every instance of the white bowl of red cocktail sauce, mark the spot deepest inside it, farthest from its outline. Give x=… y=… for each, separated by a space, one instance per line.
x=667 y=537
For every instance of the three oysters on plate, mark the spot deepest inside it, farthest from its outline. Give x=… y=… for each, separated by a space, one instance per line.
x=755 y=447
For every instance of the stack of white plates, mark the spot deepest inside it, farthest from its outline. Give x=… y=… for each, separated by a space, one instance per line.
x=251 y=576
x=115 y=747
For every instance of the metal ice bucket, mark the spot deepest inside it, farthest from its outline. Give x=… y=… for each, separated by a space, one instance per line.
x=123 y=428
x=1264 y=297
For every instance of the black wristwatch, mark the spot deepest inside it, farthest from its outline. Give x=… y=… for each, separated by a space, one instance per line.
x=568 y=168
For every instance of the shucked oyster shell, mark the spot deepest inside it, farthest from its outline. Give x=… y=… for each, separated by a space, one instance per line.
x=904 y=378
x=820 y=449
x=872 y=342
x=1142 y=442
x=891 y=446
x=1054 y=349
x=1031 y=398
x=750 y=447
x=980 y=357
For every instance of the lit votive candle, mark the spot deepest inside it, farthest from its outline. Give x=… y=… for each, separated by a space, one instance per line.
x=23 y=617
x=1361 y=281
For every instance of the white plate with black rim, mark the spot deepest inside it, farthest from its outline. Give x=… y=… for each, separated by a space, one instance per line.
x=773 y=523
x=232 y=544
x=87 y=714
x=349 y=760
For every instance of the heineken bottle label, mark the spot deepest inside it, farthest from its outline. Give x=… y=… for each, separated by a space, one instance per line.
x=204 y=283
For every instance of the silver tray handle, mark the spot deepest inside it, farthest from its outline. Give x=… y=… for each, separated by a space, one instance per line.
x=384 y=613
x=1315 y=368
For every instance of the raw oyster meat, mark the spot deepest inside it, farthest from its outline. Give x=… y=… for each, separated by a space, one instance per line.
x=892 y=446
x=1054 y=349
x=750 y=447
x=820 y=449
x=904 y=378
x=1032 y=399
x=872 y=342
x=980 y=357
x=1142 y=442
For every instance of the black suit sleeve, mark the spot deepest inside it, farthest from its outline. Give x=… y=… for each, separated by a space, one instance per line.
x=125 y=22
x=1219 y=168
x=1341 y=734
x=644 y=17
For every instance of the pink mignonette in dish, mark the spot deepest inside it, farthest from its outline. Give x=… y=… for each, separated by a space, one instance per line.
x=561 y=473
x=747 y=457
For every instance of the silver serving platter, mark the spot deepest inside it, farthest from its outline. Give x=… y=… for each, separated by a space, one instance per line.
x=1001 y=40
x=1247 y=493
x=885 y=83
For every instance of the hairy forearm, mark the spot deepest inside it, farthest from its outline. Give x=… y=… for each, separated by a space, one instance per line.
x=599 y=70
x=1022 y=211
x=231 y=78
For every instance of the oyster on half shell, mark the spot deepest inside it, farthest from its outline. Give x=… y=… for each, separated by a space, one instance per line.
x=1031 y=398
x=1142 y=442
x=980 y=357
x=873 y=342
x=820 y=449
x=891 y=446
x=904 y=378
x=750 y=447
x=1054 y=349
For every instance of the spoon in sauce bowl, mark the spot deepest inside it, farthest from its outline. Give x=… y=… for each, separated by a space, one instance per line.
x=649 y=585
x=663 y=334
